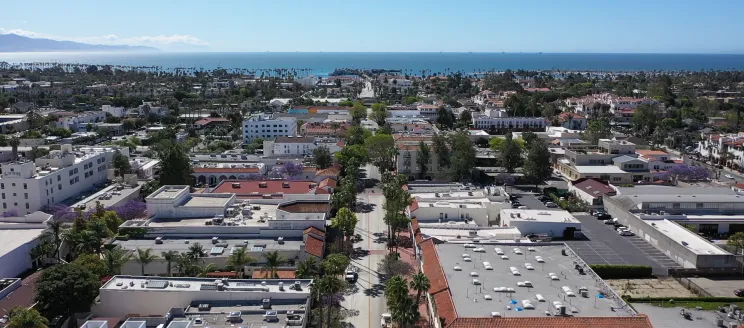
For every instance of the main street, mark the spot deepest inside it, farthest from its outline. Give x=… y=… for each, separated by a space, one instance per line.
x=367 y=91
x=366 y=297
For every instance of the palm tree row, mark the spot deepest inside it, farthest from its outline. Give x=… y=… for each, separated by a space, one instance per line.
x=403 y=307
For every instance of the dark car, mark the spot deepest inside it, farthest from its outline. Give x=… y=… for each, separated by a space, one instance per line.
x=739 y=292
x=543 y=198
x=516 y=204
x=604 y=216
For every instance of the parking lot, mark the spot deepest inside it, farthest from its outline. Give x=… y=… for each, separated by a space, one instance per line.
x=531 y=202
x=605 y=246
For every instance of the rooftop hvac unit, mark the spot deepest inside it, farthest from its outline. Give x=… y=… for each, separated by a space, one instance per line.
x=266 y=303
x=297 y=285
x=158 y=240
x=215 y=240
x=281 y=286
x=280 y=240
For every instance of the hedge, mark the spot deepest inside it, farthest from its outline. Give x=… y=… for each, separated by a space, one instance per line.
x=621 y=271
x=684 y=299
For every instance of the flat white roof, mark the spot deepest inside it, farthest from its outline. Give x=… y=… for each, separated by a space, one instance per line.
x=598 y=169
x=14 y=238
x=685 y=237
x=449 y=204
x=537 y=215
x=201 y=201
x=170 y=284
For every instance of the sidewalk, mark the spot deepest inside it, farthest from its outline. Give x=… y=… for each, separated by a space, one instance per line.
x=408 y=255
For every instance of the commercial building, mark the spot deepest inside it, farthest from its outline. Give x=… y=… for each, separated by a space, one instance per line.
x=268 y=127
x=290 y=146
x=324 y=129
x=498 y=119
x=80 y=122
x=517 y=285
x=171 y=201
x=591 y=191
x=19 y=234
x=114 y=111
x=273 y=191
x=251 y=302
x=723 y=149
x=15 y=292
x=451 y=203
x=553 y=223
x=27 y=186
x=210 y=173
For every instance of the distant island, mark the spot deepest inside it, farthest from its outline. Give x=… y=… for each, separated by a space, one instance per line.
x=17 y=43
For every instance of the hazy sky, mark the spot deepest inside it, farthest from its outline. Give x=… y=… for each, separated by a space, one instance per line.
x=635 y=26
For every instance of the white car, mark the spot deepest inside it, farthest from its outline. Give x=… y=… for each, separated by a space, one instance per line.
x=551 y=205
x=625 y=232
x=729 y=176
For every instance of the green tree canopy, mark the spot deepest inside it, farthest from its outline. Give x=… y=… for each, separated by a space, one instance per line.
x=381 y=151
x=537 y=166
x=66 y=289
x=322 y=157
x=174 y=158
x=510 y=153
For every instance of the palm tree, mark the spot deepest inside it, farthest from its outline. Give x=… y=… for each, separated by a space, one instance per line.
x=273 y=262
x=54 y=229
x=239 y=259
x=396 y=289
x=307 y=269
x=327 y=287
x=169 y=257
x=335 y=264
x=185 y=264
x=145 y=257
x=420 y=283
x=114 y=259
x=196 y=251
x=205 y=270
x=405 y=313
x=14 y=143
x=21 y=317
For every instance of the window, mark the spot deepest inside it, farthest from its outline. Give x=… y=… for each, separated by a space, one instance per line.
x=2 y=186
x=25 y=186
x=5 y=205
x=59 y=178
x=25 y=195
x=27 y=206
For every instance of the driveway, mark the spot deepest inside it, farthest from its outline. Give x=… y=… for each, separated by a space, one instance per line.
x=366 y=298
x=605 y=246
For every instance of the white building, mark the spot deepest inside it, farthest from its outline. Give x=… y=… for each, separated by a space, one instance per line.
x=178 y=202
x=290 y=145
x=27 y=186
x=268 y=127
x=80 y=122
x=723 y=149
x=554 y=223
x=19 y=234
x=154 y=296
x=429 y=111
x=114 y=111
x=499 y=119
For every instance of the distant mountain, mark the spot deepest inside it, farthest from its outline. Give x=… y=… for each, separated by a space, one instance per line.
x=17 y=43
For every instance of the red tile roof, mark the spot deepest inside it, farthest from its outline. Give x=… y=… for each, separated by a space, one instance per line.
x=265 y=187
x=415 y=224
x=432 y=267
x=23 y=296
x=208 y=120
x=565 y=115
x=329 y=172
x=640 y=321
x=227 y=170
x=445 y=307
x=593 y=187
x=282 y=274
x=314 y=246
x=306 y=207
x=315 y=231
x=328 y=182
x=227 y=274
x=413 y=207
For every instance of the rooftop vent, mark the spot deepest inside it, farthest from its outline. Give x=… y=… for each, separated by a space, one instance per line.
x=263 y=185
x=236 y=185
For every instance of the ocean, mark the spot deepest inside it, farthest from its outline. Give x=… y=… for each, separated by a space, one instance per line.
x=410 y=63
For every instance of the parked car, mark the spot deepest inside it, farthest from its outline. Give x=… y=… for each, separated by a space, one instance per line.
x=609 y=221
x=543 y=198
x=551 y=205
x=729 y=176
x=739 y=292
x=604 y=216
x=516 y=205
x=351 y=275
x=625 y=232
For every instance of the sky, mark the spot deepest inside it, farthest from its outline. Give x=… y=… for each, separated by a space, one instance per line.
x=586 y=26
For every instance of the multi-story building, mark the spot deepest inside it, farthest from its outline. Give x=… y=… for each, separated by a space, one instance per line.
x=723 y=149
x=268 y=127
x=114 y=111
x=26 y=186
x=428 y=111
x=80 y=122
x=324 y=129
x=499 y=119
x=290 y=146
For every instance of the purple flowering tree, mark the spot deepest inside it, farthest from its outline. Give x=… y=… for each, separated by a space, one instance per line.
x=291 y=169
x=686 y=172
x=131 y=210
x=10 y=214
x=60 y=212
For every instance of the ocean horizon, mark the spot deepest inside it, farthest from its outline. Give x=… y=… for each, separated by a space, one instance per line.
x=323 y=63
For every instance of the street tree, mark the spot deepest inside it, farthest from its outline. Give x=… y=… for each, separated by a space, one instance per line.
x=21 y=317
x=441 y=149
x=381 y=151
x=174 y=158
x=423 y=156
x=121 y=164
x=598 y=128
x=445 y=118
x=322 y=157
x=358 y=113
x=645 y=120
x=66 y=289
x=420 y=283
x=462 y=157
x=510 y=153
x=345 y=221
x=356 y=135
x=736 y=240
x=537 y=166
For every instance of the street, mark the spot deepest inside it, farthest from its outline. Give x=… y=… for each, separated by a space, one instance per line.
x=367 y=91
x=737 y=177
x=366 y=297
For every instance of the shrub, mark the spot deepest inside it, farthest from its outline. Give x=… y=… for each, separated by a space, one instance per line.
x=621 y=271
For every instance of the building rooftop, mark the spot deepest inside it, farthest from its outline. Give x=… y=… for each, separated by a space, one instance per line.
x=168 y=192
x=139 y=283
x=538 y=215
x=305 y=207
x=699 y=198
x=470 y=300
x=226 y=245
x=598 y=169
x=22 y=296
x=202 y=201
x=593 y=187
x=673 y=190
x=286 y=139
x=258 y=188
x=685 y=237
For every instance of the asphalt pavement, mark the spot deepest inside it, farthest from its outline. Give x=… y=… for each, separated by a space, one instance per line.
x=365 y=298
x=605 y=246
